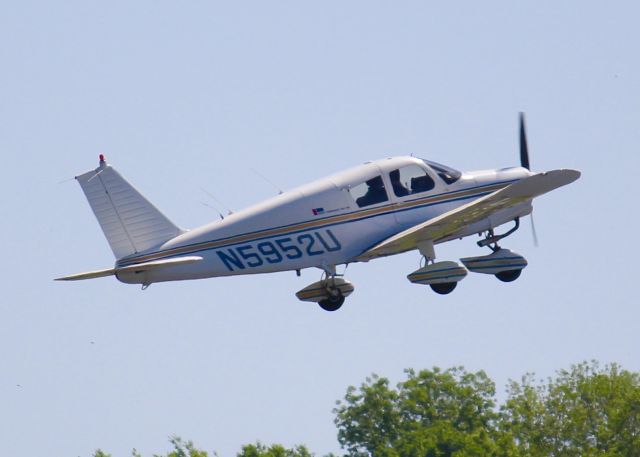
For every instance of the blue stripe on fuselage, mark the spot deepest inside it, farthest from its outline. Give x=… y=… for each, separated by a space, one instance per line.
x=158 y=255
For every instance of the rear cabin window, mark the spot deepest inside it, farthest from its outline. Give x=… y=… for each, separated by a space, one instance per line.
x=369 y=192
x=410 y=180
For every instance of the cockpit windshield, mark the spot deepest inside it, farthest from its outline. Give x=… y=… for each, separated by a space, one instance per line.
x=447 y=174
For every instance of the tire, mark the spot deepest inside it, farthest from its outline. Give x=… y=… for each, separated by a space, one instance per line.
x=509 y=275
x=444 y=288
x=332 y=303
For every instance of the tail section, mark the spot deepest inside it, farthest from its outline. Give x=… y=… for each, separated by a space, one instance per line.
x=129 y=221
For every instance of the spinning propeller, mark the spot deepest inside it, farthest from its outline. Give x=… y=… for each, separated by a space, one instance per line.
x=524 y=149
x=524 y=162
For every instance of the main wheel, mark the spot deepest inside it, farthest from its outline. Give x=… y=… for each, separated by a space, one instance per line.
x=444 y=288
x=509 y=275
x=332 y=303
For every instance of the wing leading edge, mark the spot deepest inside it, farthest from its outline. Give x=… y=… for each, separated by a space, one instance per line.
x=455 y=221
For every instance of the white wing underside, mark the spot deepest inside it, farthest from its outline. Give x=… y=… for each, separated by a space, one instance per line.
x=455 y=222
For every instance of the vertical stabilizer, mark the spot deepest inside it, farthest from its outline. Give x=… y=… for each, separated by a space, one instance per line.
x=129 y=221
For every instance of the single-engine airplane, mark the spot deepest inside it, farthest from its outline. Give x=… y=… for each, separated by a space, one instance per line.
x=377 y=209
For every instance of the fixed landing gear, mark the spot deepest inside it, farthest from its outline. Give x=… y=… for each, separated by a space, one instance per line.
x=504 y=264
x=329 y=293
x=442 y=277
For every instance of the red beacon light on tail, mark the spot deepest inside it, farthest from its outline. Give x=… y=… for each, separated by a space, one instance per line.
x=101 y=156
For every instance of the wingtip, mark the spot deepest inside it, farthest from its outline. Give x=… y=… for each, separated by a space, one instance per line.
x=88 y=275
x=575 y=174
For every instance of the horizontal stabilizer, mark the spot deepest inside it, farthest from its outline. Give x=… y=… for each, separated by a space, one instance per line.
x=155 y=264
x=88 y=275
x=138 y=267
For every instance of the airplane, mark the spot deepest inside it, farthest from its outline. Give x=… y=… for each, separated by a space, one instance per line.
x=376 y=209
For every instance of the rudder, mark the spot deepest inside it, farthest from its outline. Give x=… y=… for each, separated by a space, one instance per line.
x=129 y=221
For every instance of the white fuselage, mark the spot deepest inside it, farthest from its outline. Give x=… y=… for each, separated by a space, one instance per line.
x=321 y=224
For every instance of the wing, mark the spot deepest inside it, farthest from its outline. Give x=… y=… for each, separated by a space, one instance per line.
x=456 y=221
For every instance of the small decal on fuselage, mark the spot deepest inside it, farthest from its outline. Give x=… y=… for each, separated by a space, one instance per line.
x=322 y=211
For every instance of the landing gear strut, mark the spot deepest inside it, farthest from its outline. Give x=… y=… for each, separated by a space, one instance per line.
x=502 y=263
x=492 y=239
x=334 y=296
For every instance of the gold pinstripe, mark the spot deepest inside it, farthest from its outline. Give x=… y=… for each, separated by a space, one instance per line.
x=313 y=224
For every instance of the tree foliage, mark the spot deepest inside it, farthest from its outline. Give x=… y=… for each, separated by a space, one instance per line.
x=181 y=449
x=275 y=450
x=100 y=453
x=585 y=411
x=433 y=413
x=187 y=449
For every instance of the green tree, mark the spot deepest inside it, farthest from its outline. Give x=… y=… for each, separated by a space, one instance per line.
x=369 y=417
x=180 y=449
x=585 y=411
x=100 y=453
x=433 y=413
x=275 y=450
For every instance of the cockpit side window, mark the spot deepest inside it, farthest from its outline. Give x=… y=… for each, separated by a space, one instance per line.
x=410 y=180
x=369 y=192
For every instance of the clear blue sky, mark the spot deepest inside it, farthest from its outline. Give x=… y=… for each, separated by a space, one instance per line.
x=183 y=95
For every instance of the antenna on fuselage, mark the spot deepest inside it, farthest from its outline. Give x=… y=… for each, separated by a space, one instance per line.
x=213 y=208
x=229 y=212
x=268 y=181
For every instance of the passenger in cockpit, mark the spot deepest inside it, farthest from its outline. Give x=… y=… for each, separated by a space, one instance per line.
x=398 y=187
x=375 y=193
